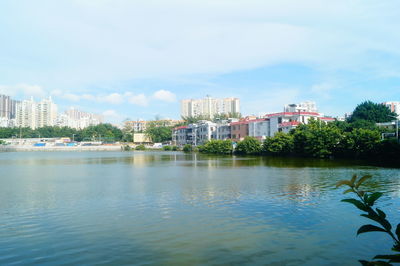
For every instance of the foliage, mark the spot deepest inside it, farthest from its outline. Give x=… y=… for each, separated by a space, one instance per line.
x=2 y=142
x=316 y=139
x=226 y=116
x=365 y=203
x=126 y=148
x=175 y=148
x=194 y=119
x=104 y=132
x=159 y=133
x=140 y=147
x=217 y=147
x=249 y=145
x=280 y=144
x=187 y=148
x=167 y=148
x=372 y=112
x=127 y=131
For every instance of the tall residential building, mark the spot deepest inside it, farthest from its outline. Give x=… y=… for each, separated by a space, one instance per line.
x=34 y=115
x=78 y=119
x=394 y=107
x=46 y=113
x=26 y=114
x=7 y=107
x=209 y=106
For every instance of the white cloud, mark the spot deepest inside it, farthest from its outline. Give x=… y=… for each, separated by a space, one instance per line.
x=194 y=37
x=139 y=99
x=113 y=98
x=26 y=90
x=165 y=96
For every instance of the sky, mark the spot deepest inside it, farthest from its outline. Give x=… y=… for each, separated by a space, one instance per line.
x=138 y=59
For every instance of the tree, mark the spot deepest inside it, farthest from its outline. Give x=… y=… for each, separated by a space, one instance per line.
x=159 y=133
x=280 y=144
x=249 y=145
x=217 y=147
x=372 y=112
x=316 y=139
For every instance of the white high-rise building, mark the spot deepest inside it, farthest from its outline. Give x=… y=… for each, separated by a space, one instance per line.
x=46 y=113
x=209 y=106
x=34 y=115
x=77 y=119
x=26 y=114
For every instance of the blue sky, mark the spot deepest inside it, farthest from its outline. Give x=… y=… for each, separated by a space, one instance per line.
x=137 y=59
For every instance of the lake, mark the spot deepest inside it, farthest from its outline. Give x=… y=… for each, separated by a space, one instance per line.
x=171 y=208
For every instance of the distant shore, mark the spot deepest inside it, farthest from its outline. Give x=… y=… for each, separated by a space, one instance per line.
x=11 y=148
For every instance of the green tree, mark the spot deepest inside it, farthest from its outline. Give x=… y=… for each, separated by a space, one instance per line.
x=216 y=147
x=249 y=145
x=159 y=133
x=187 y=148
x=316 y=139
x=372 y=112
x=280 y=144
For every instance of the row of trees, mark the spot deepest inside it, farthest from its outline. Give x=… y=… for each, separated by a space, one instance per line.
x=103 y=132
x=357 y=138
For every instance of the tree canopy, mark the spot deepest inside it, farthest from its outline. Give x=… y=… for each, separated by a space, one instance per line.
x=372 y=112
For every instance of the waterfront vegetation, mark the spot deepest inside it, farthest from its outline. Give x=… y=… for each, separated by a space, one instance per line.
x=365 y=201
x=318 y=140
x=102 y=132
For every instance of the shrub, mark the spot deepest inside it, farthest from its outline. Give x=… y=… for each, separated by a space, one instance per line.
x=187 y=148
x=216 y=147
x=167 y=148
x=127 y=148
x=140 y=147
x=175 y=148
x=280 y=144
x=249 y=145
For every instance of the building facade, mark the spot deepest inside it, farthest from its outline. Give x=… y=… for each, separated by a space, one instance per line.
x=209 y=107
x=394 y=107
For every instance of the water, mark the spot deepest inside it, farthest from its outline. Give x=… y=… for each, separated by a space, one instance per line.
x=167 y=208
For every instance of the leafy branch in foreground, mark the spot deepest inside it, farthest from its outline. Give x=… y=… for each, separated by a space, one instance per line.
x=365 y=203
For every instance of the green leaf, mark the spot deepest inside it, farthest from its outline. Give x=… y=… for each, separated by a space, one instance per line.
x=373 y=197
x=391 y=258
x=356 y=203
x=398 y=231
x=353 y=179
x=348 y=191
x=381 y=213
x=343 y=182
x=369 y=228
x=373 y=216
x=362 y=180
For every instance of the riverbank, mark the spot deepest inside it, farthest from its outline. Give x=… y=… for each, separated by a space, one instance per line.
x=16 y=148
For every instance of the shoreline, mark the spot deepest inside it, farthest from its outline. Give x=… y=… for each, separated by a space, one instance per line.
x=61 y=148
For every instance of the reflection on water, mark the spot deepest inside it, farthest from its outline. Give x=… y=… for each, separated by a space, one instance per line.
x=176 y=208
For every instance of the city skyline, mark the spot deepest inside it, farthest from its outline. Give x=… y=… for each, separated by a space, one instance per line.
x=144 y=60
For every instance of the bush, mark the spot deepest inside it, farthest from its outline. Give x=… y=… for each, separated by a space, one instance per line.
x=187 y=148
x=280 y=144
x=249 y=145
x=140 y=147
x=167 y=148
x=126 y=148
x=175 y=148
x=217 y=147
